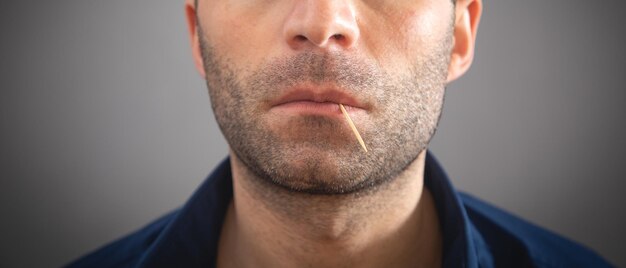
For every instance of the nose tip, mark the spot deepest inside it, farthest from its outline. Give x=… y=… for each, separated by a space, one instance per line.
x=322 y=23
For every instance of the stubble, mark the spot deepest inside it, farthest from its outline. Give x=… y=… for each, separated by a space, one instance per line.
x=316 y=154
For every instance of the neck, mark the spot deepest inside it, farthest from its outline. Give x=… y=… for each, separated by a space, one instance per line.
x=394 y=225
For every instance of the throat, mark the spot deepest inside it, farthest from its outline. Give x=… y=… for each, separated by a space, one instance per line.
x=395 y=227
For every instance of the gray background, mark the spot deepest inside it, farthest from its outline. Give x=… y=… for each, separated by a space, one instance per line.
x=105 y=124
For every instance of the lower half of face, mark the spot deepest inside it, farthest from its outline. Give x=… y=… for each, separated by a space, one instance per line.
x=318 y=153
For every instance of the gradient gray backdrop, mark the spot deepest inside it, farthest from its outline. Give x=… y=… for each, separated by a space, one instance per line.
x=105 y=124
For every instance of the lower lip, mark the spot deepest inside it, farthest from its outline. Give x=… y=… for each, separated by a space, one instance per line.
x=311 y=108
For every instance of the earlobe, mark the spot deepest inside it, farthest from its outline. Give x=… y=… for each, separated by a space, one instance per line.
x=194 y=36
x=468 y=14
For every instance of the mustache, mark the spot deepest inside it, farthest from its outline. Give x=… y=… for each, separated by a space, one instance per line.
x=352 y=74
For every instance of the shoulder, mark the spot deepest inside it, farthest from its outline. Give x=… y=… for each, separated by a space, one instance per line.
x=128 y=250
x=512 y=240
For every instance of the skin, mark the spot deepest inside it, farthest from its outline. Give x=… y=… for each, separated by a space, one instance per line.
x=304 y=193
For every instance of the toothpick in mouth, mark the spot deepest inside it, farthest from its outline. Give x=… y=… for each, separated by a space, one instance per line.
x=356 y=132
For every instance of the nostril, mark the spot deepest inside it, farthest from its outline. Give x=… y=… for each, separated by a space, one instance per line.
x=338 y=37
x=319 y=39
x=300 y=38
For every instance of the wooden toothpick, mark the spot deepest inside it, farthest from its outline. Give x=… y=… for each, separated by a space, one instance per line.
x=356 y=132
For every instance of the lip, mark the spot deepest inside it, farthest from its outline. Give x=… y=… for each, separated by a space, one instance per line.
x=317 y=101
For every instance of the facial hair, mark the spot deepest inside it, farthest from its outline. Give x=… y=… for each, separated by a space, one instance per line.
x=315 y=154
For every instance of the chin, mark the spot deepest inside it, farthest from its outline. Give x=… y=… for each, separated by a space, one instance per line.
x=314 y=173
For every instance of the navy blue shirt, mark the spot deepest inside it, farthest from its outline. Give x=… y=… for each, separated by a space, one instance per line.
x=475 y=234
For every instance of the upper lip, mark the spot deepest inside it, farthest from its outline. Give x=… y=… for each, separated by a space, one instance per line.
x=318 y=94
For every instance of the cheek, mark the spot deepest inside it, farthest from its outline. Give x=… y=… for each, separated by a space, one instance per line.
x=407 y=35
x=237 y=41
x=431 y=21
x=229 y=37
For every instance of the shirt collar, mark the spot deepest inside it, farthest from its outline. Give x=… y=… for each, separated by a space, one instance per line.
x=191 y=238
x=458 y=246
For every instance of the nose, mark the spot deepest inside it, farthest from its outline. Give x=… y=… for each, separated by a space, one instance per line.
x=322 y=24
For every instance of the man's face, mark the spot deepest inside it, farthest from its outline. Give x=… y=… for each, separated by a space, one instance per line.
x=276 y=71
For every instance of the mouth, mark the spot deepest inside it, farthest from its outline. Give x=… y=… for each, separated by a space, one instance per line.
x=313 y=101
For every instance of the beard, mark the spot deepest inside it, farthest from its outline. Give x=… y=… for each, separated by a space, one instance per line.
x=316 y=154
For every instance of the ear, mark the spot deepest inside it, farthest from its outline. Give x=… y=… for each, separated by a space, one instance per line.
x=465 y=26
x=194 y=35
